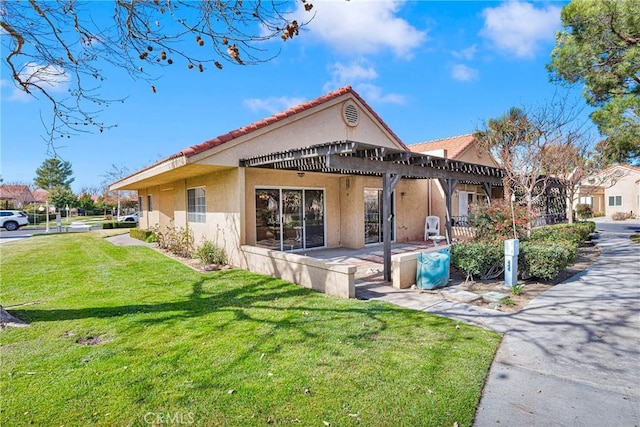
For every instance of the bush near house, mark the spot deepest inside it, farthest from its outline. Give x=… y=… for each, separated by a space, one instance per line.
x=621 y=216
x=584 y=211
x=476 y=258
x=140 y=234
x=548 y=251
x=493 y=222
x=545 y=260
x=110 y=225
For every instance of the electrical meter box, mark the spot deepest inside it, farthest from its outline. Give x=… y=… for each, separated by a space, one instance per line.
x=511 y=247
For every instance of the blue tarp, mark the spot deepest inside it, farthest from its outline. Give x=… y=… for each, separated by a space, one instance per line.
x=433 y=269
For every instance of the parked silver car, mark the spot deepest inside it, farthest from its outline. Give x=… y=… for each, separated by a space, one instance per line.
x=12 y=220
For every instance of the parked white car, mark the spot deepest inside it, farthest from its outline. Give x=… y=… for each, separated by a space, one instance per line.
x=12 y=220
x=129 y=218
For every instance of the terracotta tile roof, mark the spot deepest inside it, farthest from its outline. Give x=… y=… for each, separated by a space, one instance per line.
x=455 y=145
x=219 y=140
x=40 y=195
x=16 y=192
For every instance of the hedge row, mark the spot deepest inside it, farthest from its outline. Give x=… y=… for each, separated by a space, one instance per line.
x=110 y=225
x=140 y=234
x=549 y=250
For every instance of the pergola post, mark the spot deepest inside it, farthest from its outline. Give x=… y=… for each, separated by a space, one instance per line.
x=487 y=190
x=448 y=185
x=389 y=182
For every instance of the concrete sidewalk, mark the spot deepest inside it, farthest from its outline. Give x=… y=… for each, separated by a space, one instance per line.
x=572 y=356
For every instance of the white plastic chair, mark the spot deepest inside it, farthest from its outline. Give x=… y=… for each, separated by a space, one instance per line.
x=431 y=225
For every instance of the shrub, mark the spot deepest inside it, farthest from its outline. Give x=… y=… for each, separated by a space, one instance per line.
x=209 y=253
x=575 y=233
x=597 y=214
x=140 y=234
x=176 y=240
x=110 y=225
x=584 y=211
x=545 y=259
x=620 y=216
x=477 y=258
x=494 y=221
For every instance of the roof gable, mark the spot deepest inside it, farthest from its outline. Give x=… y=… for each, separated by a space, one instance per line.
x=16 y=192
x=455 y=145
x=229 y=136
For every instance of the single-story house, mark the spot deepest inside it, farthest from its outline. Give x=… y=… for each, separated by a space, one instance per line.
x=323 y=174
x=615 y=189
x=15 y=196
x=463 y=148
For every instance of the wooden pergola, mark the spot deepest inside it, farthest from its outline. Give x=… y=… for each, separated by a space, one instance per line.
x=357 y=158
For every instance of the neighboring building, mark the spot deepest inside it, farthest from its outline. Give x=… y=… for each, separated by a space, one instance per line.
x=461 y=148
x=615 y=189
x=313 y=176
x=15 y=196
x=40 y=196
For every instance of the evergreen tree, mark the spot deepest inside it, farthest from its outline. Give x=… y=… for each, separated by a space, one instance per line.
x=54 y=173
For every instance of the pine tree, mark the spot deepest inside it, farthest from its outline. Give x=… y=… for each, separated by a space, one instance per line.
x=54 y=173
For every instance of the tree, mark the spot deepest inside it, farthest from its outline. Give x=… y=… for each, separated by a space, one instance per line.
x=54 y=173
x=72 y=42
x=501 y=137
x=61 y=197
x=600 y=48
x=85 y=201
x=525 y=142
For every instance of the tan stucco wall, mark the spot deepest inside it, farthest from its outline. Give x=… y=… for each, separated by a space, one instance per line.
x=627 y=188
x=317 y=126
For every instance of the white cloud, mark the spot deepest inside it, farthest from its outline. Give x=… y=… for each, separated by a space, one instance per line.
x=50 y=77
x=358 y=74
x=464 y=73
x=466 y=54
x=359 y=27
x=272 y=104
x=342 y=75
x=518 y=28
x=373 y=95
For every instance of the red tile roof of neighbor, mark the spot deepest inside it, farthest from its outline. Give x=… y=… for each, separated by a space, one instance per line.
x=15 y=192
x=455 y=145
x=40 y=195
x=195 y=149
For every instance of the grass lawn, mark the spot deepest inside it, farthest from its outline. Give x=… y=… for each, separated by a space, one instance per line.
x=222 y=348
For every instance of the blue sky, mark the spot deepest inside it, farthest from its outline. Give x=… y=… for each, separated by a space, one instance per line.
x=430 y=69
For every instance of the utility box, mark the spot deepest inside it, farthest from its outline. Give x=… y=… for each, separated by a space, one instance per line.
x=511 y=247
x=511 y=251
x=433 y=269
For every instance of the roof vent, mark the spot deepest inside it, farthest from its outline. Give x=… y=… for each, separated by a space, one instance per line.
x=350 y=114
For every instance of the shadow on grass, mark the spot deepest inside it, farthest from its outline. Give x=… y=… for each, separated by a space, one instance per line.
x=255 y=301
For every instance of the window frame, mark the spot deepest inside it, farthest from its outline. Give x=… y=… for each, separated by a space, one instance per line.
x=149 y=202
x=199 y=212
x=615 y=203
x=140 y=207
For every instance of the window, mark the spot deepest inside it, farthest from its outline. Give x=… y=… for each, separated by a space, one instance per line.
x=140 y=207
x=615 y=200
x=149 y=204
x=588 y=200
x=196 y=205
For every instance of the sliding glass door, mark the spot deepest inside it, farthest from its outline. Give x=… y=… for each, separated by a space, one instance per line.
x=290 y=219
x=373 y=216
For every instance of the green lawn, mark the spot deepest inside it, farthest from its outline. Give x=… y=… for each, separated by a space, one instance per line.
x=224 y=348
